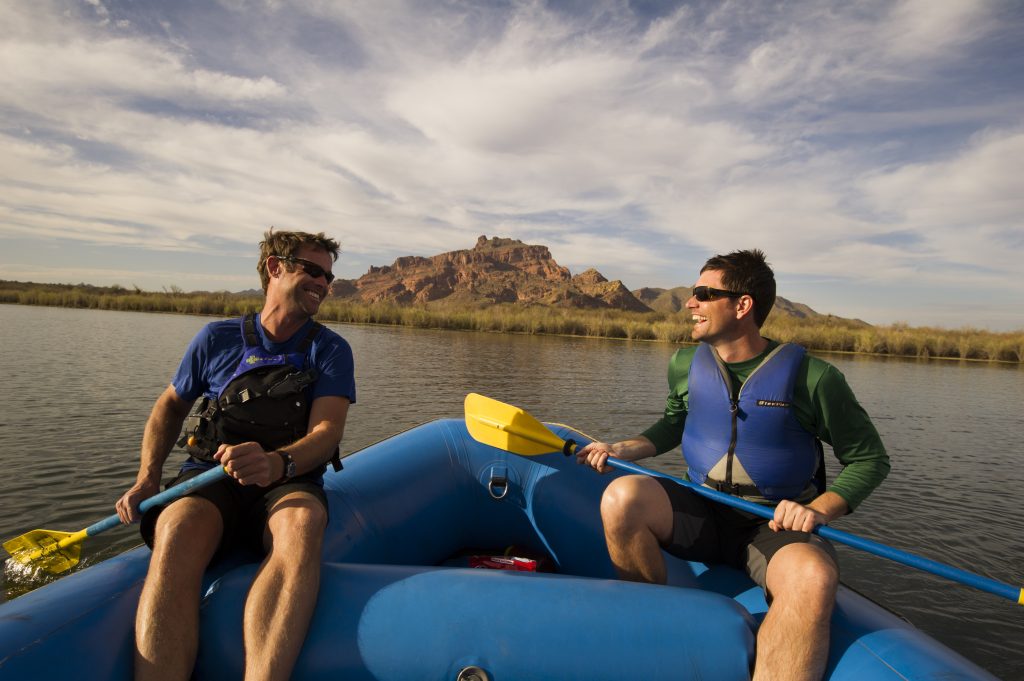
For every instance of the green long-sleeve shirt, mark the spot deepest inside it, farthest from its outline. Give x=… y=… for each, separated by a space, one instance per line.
x=824 y=405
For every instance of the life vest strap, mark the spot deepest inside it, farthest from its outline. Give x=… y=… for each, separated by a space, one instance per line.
x=252 y=339
x=306 y=343
x=733 y=488
x=249 y=335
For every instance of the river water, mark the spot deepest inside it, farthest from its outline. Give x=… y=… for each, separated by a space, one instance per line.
x=78 y=385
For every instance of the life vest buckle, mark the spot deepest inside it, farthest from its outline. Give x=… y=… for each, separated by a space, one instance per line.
x=729 y=488
x=733 y=488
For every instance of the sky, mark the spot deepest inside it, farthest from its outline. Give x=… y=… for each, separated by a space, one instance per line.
x=873 y=149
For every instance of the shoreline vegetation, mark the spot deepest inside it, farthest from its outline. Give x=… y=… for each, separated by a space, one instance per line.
x=827 y=334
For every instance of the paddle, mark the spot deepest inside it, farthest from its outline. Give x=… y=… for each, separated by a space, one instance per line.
x=56 y=552
x=510 y=428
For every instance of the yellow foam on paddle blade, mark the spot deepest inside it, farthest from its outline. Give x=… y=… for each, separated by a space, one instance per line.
x=507 y=427
x=48 y=550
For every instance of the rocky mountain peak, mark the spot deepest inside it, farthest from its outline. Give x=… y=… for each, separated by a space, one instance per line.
x=495 y=270
x=590 y=278
x=503 y=270
x=494 y=243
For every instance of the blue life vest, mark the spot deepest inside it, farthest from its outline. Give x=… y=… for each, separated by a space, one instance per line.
x=757 y=426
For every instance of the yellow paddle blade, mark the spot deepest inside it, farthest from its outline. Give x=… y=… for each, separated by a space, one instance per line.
x=509 y=428
x=48 y=550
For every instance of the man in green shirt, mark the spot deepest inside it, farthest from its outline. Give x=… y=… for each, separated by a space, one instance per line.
x=749 y=413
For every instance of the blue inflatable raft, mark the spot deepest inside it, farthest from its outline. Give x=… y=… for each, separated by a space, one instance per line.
x=398 y=600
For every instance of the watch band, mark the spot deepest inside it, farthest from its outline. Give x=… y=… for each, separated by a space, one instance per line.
x=289 y=466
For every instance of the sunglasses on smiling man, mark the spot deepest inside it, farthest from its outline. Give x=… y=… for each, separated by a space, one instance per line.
x=705 y=293
x=309 y=267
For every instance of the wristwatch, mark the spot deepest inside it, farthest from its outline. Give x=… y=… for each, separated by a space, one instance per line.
x=289 y=466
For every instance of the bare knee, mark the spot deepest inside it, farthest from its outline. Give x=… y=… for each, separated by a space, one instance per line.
x=803 y=571
x=620 y=499
x=636 y=502
x=186 y=536
x=295 y=526
x=821 y=574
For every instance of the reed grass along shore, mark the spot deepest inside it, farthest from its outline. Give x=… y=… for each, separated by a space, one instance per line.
x=831 y=334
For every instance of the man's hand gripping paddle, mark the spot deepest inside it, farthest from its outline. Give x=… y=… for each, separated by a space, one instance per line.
x=56 y=552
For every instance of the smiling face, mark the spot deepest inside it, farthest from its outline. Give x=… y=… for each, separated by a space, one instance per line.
x=714 y=320
x=300 y=292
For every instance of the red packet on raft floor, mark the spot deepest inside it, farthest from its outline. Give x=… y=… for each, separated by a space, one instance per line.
x=503 y=563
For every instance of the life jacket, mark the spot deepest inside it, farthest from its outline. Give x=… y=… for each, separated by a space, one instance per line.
x=266 y=400
x=755 y=426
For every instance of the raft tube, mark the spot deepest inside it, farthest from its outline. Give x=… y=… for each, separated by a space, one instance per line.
x=398 y=601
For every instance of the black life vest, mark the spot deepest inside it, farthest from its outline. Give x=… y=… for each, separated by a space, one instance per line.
x=265 y=401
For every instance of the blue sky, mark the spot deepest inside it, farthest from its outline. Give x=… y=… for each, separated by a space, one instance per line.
x=874 y=149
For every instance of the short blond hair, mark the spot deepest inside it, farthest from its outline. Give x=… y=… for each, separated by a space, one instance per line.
x=287 y=245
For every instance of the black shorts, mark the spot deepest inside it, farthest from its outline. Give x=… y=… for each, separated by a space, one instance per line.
x=243 y=508
x=710 y=532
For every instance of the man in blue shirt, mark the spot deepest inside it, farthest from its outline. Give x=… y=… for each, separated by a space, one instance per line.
x=271 y=395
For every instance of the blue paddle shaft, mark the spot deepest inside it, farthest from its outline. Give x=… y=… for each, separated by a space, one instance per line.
x=167 y=495
x=926 y=564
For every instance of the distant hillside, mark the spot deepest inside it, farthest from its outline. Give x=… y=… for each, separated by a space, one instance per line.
x=674 y=300
x=662 y=299
x=495 y=270
x=499 y=270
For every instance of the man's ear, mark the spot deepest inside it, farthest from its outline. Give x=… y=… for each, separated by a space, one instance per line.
x=274 y=265
x=744 y=306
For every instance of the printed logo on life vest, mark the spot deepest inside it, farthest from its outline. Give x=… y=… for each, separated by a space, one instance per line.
x=256 y=359
x=773 y=403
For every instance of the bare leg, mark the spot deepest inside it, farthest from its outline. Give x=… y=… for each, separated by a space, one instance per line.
x=637 y=516
x=167 y=621
x=792 y=642
x=283 y=594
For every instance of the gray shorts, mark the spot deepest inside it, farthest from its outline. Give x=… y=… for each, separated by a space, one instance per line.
x=243 y=508
x=709 y=532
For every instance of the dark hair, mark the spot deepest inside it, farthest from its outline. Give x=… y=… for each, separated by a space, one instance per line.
x=747 y=272
x=287 y=245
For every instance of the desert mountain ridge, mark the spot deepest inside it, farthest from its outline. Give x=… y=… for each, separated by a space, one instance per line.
x=502 y=270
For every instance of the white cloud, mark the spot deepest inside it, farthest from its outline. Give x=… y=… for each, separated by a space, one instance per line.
x=407 y=128
x=62 y=73
x=969 y=208
x=834 y=49
x=518 y=109
x=980 y=185
x=918 y=29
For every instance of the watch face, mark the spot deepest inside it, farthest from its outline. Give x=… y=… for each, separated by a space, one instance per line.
x=289 y=465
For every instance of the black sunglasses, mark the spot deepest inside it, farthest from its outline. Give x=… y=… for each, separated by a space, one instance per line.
x=706 y=293
x=310 y=268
